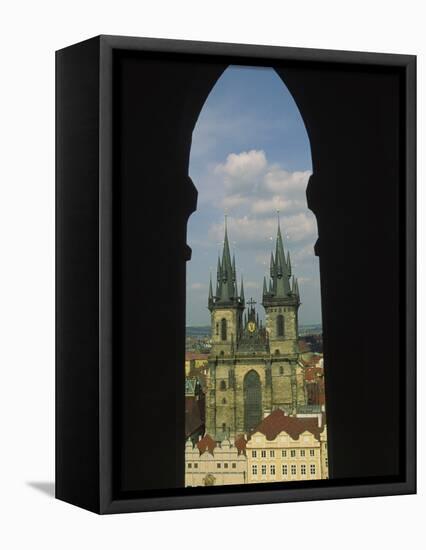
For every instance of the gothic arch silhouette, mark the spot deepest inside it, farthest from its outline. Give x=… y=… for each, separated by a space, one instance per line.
x=353 y=117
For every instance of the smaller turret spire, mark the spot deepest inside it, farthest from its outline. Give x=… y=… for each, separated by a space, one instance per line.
x=288 y=264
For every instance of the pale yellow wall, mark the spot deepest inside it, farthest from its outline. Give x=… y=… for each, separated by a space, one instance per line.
x=278 y=454
x=225 y=465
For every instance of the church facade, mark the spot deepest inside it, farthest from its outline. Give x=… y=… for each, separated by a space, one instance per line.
x=254 y=368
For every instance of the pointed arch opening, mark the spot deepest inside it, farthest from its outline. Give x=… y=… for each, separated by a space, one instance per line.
x=252 y=401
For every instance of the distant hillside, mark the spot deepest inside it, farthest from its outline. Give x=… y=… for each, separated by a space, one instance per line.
x=200 y=332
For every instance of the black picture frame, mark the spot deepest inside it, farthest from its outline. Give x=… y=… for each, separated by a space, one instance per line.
x=99 y=227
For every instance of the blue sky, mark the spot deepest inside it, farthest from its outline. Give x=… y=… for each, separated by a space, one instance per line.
x=250 y=157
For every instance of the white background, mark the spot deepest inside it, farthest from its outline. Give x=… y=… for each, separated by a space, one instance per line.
x=30 y=32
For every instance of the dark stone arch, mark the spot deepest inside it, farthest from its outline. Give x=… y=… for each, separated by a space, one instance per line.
x=353 y=116
x=252 y=400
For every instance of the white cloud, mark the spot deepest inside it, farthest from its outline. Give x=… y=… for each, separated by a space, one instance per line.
x=252 y=190
x=260 y=232
x=243 y=166
x=286 y=183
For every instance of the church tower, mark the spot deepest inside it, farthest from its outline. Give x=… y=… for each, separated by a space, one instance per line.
x=281 y=302
x=226 y=305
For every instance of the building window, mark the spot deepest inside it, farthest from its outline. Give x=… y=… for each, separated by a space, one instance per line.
x=280 y=325
x=218 y=464
x=254 y=454
x=293 y=469
x=263 y=453
x=189 y=465
x=225 y=465
x=312 y=452
x=277 y=352
x=281 y=370
x=223 y=329
x=195 y=464
x=302 y=452
x=284 y=469
x=326 y=462
x=312 y=469
x=292 y=453
x=224 y=427
x=223 y=401
x=222 y=385
x=283 y=454
x=264 y=469
x=272 y=469
x=272 y=454
x=303 y=469
x=254 y=469
x=234 y=464
x=217 y=329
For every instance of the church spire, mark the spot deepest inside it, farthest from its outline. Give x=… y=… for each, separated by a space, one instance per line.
x=227 y=288
x=280 y=270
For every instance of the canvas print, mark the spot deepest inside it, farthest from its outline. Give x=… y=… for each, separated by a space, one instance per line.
x=255 y=407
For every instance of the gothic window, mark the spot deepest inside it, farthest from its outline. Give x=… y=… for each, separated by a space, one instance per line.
x=217 y=329
x=223 y=329
x=281 y=370
x=280 y=325
x=223 y=385
x=277 y=352
x=223 y=401
x=224 y=427
x=252 y=400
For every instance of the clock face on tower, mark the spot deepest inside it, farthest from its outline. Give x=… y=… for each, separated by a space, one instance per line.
x=251 y=326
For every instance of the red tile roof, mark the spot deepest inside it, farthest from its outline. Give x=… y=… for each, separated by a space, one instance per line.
x=311 y=373
x=206 y=444
x=193 y=419
x=240 y=443
x=278 y=422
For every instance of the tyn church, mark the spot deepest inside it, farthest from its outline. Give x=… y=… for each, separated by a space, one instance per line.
x=253 y=369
